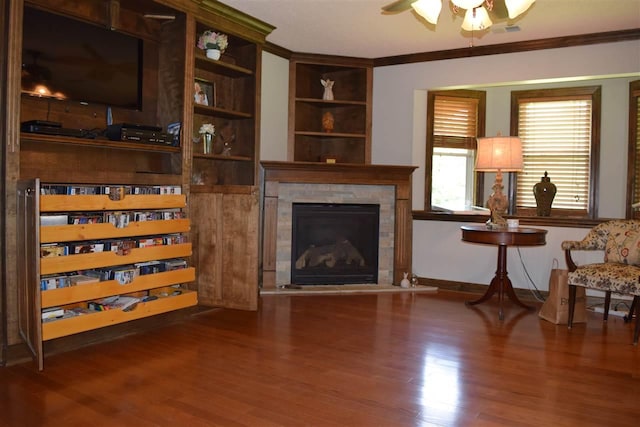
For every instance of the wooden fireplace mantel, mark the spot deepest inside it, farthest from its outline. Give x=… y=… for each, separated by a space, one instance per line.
x=274 y=173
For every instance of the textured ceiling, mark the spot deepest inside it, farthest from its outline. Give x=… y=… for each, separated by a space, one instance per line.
x=358 y=28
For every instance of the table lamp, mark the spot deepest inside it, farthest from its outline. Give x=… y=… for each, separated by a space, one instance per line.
x=498 y=154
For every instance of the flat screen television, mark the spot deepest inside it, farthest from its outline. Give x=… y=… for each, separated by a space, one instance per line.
x=79 y=61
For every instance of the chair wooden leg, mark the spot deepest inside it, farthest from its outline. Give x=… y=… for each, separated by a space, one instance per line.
x=607 y=303
x=572 y=305
x=629 y=317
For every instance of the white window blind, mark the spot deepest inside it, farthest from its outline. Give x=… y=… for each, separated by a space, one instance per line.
x=556 y=138
x=455 y=122
x=635 y=96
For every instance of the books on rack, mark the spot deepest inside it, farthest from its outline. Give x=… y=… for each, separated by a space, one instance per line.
x=174 y=264
x=52 y=313
x=120 y=246
x=88 y=248
x=123 y=274
x=61 y=189
x=54 y=282
x=53 y=250
x=46 y=220
x=114 y=303
x=82 y=279
x=118 y=219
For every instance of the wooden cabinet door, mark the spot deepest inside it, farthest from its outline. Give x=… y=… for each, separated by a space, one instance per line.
x=225 y=241
x=28 y=232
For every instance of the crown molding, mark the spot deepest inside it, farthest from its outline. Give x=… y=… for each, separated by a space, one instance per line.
x=496 y=49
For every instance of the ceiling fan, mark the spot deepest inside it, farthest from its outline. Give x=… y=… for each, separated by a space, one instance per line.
x=479 y=15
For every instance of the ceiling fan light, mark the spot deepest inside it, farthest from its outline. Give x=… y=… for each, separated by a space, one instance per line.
x=517 y=7
x=467 y=4
x=428 y=9
x=476 y=19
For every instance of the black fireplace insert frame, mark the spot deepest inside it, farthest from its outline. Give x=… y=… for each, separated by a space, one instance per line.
x=335 y=243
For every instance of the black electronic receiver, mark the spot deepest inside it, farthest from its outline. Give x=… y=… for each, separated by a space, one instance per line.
x=42 y=123
x=138 y=133
x=118 y=126
x=51 y=128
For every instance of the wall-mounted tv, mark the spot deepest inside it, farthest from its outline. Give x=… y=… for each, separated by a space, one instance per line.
x=79 y=61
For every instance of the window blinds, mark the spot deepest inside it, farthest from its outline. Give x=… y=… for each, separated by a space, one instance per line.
x=556 y=137
x=635 y=99
x=455 y=122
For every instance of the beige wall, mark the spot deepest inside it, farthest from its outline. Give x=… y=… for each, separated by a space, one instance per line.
x=274 y=108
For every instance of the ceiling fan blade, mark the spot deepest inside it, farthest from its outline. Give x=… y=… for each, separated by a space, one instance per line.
x=397 y=6
x=499 y=11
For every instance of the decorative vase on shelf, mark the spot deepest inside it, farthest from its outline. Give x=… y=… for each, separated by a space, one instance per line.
x=544 y=191
x=213 y=54
x=208 y=143
x=327 y=122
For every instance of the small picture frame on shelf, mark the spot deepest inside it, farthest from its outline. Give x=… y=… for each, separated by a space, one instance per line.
x=203 y=93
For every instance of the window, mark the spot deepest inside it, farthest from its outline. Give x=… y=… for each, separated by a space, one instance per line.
x=454 y=120
x=559 y=129
x=633 y=192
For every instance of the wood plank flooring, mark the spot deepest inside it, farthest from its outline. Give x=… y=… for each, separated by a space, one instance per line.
x=349 y=360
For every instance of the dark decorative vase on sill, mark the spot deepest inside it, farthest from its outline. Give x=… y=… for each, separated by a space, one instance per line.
x=544 y=191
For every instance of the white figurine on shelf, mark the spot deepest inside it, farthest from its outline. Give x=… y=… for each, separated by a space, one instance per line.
x=328 y=89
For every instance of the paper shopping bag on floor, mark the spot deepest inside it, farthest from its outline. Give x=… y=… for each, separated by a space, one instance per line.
x=556 y=308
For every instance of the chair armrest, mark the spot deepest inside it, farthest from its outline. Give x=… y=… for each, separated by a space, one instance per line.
x=577 y=245
x=582 y=245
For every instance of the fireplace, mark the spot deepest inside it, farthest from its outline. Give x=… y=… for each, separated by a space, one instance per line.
x=289 y=183
x=334 y=243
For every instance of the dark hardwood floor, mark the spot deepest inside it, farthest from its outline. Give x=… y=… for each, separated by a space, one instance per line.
x=350 y=360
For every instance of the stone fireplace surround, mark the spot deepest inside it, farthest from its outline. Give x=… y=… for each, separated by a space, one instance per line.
x=288 y=182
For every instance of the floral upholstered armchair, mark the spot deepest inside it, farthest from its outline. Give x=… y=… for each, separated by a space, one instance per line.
x=620 y=271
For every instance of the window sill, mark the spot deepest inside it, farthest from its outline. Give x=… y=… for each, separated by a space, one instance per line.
x=551 y=221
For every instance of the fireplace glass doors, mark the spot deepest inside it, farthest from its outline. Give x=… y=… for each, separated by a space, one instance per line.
x=334 y=244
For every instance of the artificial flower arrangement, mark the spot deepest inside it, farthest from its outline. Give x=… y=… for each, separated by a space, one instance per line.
x=212 y=40
x=208 y=128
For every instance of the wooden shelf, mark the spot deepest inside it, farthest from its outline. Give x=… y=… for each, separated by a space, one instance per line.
x=331 y=134
x=223 y=158
x=35 y=138
x=221 y=112
x=76 y=232
x=62 y=264
x=102 y=202
x=223 y=189
x=220 y=67
x=333 y=103
x=87 y=322
x=78 y=293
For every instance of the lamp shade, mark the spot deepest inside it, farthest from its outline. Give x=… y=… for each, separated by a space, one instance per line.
x=428 y=9
x=499 y=153
x=476 y=19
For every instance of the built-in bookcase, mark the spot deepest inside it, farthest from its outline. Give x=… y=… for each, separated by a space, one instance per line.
x=348 y=139
x=227 y=99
